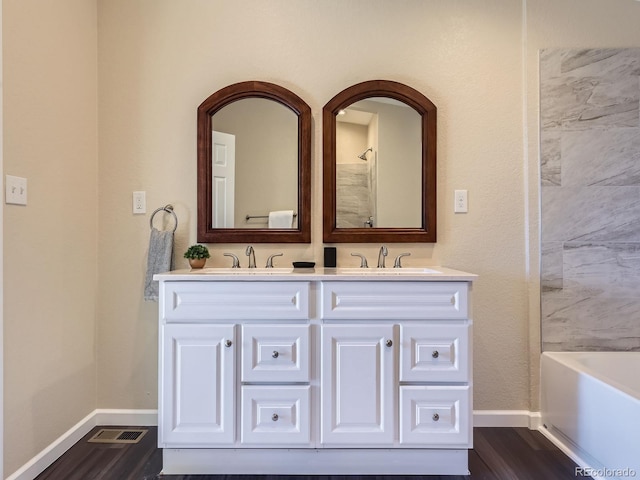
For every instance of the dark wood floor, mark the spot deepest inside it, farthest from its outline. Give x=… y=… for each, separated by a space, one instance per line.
x=498 y=454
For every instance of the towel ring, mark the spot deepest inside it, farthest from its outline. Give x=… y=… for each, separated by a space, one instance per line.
x=168 y=209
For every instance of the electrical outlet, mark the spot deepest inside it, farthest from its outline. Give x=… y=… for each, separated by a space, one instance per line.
x=139 y=203
x=460 y=202
x=15 y=190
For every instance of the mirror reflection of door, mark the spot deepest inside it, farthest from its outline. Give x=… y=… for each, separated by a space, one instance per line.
x=223 y=152
x=378 y=165
x=266 y=163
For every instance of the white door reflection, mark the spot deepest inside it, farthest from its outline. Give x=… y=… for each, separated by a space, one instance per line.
x=224 y=179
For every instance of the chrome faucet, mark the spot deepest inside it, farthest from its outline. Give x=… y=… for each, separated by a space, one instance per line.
x=381 y=255
x=270 y=259
x=363 y=260
x=236 y=262
x=252 y=256
x=398 y=262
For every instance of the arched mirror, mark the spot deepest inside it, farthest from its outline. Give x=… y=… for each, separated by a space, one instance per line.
x=379 y=165
x=254 y=166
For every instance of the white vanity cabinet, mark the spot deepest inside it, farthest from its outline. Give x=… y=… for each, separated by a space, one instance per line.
x=204 y=369
x=315 y=373
x=396 y=364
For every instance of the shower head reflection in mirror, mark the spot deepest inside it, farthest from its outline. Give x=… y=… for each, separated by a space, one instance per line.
x=363 y=155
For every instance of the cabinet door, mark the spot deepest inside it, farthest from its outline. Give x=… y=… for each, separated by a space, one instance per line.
x=197 y=372
x=357 y=385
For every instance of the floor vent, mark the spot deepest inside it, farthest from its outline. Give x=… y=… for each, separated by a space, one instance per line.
x=113 y=435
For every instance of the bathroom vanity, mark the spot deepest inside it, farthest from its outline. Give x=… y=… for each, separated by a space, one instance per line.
x=315 y=371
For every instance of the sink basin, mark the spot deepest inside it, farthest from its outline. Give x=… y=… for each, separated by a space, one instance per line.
x=246 y=271
x=387 y=271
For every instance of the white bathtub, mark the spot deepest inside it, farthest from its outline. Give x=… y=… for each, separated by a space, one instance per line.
x=591 y=406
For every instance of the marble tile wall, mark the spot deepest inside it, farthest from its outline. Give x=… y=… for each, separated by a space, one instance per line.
x=353 y=206
x=590 y=199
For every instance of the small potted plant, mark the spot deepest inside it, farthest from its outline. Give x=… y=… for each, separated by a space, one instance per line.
x=197 y=255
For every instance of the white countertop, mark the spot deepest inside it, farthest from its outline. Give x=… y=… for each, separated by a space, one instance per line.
x=421 y=274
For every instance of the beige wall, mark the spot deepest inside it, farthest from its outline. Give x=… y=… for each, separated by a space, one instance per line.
x=398 y=159
x=50 y=246
x=473 y=59
x=351 y=141
x=157 y=61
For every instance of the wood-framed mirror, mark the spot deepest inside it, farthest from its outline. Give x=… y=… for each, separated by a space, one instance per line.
x=254 y=165
x=379 y=165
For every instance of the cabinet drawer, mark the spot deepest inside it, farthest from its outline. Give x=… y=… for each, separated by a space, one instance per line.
x=434 y=353
x=275 y=415
x=435 y=416
x=275 y=353
x=188 y=301
x=394 y=300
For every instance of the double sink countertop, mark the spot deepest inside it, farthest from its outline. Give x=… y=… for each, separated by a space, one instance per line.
x=421 y=274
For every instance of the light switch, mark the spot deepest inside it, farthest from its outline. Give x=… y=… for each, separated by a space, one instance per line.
x=15 y=190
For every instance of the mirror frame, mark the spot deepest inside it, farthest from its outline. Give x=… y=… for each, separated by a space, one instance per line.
x=215 y=102
x=427 y=110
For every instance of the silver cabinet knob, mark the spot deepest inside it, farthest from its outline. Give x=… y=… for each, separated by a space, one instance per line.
x=436 y=417
x=389 y=343
x=275 y=354
x=435 y=354
x=274 y=417
x=228 y=343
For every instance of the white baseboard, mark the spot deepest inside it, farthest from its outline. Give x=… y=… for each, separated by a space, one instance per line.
x=506 y=418
x=142 y=418
x=129 y=418
x=46 y=457
x=38 y=464
x=570 y=450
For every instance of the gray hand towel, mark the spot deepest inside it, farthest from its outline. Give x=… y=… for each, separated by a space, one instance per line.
x=159 y=260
